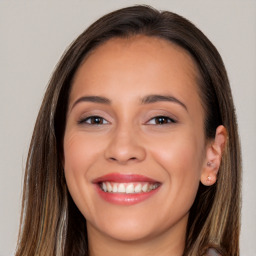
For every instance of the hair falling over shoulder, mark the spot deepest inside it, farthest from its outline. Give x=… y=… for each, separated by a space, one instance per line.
x=51 y=224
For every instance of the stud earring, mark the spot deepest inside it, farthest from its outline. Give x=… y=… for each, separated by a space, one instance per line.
x=209 y=178
x=209 y=164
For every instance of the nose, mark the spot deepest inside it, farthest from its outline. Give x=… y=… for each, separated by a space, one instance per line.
x=124 y=148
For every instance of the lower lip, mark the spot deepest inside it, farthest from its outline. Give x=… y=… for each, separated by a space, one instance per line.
x=125 y=199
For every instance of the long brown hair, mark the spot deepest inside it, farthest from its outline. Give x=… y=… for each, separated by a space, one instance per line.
x=51 y=224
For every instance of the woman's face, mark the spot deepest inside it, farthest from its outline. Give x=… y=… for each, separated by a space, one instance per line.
x=134 y=145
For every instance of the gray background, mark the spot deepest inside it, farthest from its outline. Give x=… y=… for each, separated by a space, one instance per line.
x=34 y=34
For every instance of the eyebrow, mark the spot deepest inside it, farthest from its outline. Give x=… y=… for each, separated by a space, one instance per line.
x=94 y=99
x=158 y=98
x=145 y=100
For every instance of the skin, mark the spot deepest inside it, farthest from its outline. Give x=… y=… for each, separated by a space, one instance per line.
x=130 y=141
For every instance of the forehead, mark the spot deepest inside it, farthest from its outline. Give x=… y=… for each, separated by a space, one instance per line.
x=149 y=63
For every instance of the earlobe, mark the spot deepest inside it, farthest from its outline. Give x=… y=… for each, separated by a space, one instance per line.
x=214 y=152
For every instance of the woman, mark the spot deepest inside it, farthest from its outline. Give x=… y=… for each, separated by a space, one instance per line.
x=135 y=150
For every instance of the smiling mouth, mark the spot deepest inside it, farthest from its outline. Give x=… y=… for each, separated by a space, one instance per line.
x=128 y=188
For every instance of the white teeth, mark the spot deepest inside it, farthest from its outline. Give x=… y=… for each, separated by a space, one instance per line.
x=145 y=188
x=121 y=188
x=128 y=188
x=115 y=188
x=137 y=188
x=104 y=186
x=151 y=187
x=109 y=187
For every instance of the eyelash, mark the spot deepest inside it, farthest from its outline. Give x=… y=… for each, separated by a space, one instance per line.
x=100 y=120
x=159 y=120
x=162 y=120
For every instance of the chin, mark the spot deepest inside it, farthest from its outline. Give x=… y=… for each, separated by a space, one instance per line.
x=129 y=234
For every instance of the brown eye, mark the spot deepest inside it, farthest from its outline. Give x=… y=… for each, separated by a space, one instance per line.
x=161 y=120
x=94 y=120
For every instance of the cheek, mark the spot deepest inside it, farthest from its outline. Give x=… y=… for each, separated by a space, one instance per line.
x=179 y=155
x=181 y=158
x=79 y=155
x=79 y=152
x=74 y=152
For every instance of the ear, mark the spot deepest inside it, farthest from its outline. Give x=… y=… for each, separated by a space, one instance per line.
x=214 y=151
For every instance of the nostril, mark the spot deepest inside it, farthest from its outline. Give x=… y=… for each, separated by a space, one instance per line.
x=124 y=151
x=120 y=160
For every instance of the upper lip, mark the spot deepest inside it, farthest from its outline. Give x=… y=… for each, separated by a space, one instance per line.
x=124 y=178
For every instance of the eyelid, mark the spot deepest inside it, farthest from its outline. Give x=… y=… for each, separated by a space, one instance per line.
x=170 y=120
x=84 y=120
